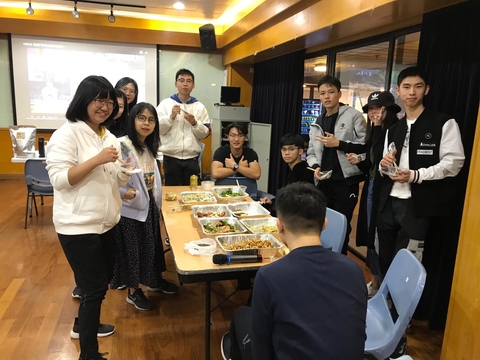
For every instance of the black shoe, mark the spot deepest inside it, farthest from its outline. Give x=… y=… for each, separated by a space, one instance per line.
x=77 y=293
x=99 y=356
x=225 y=346
x=139 y=300
x=166 y=287
x=103 y=330
x=401 y=348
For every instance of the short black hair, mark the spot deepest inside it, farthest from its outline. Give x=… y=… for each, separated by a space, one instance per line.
x=91 y=88
x=153 y=140
x=411 y=71
x=292 y=139
x=240 y=126
x=184 y=72
x=125 y=81
x=302 y=208
x=330 y=80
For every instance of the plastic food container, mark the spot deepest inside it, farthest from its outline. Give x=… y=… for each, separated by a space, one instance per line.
x=197 y=197
x=247 y=210
x=205 y=223
x=221 y=193
x=208 y=185
x=206 y=211
x=226 y=243
x=261 y=225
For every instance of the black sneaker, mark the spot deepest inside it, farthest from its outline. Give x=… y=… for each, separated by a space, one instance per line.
x=225 y=346
x=401 y=348
x=166 y=287
x=77 y=293
x=103 y=330
x=139 y=300
x=99 y=356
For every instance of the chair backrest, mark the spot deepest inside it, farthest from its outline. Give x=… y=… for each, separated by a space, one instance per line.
x=333 y=236
x=36 y=176
x=200 y=156
x=242 y=180
x=404 y=281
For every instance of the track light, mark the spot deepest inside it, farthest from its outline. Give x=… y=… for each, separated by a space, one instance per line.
x=75 y=13
x=111 y=17
x=29 y=10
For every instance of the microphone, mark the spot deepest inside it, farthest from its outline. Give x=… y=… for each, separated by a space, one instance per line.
x=228 y=259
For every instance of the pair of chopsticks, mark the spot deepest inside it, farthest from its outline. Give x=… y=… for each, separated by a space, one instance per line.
x=309 y=168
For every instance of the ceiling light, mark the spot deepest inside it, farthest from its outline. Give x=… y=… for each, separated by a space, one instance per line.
x=111 y=17
x=75 y=13
x=178 y=5
x=29 y=9
x=320 y=68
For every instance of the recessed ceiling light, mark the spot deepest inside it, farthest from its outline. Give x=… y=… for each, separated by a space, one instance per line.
x=179 y=5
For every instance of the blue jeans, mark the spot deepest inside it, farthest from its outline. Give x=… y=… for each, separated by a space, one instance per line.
x=92 y=258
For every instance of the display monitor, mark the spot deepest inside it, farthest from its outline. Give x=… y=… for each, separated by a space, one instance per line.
x=230 y=95
x=311 y=110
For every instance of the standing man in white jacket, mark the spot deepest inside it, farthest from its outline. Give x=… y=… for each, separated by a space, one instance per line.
x=184 y=122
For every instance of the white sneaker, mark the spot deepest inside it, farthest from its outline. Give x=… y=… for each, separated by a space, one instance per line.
x=371 y=290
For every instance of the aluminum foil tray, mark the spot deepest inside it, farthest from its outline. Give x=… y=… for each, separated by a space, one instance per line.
x=213 y=210
x=247 y=209
x=226 y=241
x=229 y=220
x=197 y=197
x=261 y=225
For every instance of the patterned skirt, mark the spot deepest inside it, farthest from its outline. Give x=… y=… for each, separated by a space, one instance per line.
x=140 y=258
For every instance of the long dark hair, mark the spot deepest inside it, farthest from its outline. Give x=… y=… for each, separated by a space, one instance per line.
x=117 y=126
x=124 y=81
x=390 y=119
x=91 y=88
x=152 y=141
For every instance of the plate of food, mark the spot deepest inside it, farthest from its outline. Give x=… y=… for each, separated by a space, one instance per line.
x=252 y=244
x=216 y=226
x=197 y=197
x=247 y=209
x=204 y=211
x=261 y=225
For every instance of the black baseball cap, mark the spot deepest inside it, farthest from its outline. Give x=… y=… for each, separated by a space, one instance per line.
x=381 y=98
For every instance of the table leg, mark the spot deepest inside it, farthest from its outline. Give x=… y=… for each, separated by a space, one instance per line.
x=207 y=319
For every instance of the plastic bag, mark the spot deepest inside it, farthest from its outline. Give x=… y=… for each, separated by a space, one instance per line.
x=23 y=140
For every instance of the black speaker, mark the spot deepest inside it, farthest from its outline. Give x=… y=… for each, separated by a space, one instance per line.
x=207 y=37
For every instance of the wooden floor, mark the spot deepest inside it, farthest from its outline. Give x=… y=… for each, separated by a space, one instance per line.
x=37 y=310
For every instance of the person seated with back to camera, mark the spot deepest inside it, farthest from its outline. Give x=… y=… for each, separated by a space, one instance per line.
x=311 y=303
x=291 y=147
x=235 y=158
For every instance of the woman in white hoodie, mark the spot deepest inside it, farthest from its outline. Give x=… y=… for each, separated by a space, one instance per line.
x=81 y=164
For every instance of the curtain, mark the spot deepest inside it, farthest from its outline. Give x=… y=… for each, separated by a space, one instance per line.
x=277 y=100
x=449 y=51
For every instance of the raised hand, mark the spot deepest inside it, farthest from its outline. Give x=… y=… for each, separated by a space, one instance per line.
x=329 y=140
x=175 y=111
x=388 y=159
x=230 y=162
x=243 y=162
x=109 y=154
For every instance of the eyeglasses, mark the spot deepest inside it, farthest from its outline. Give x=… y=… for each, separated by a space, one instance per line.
x=289 y=149
x=239 y=136
x=143 y=118
x=126 y=90
x=101 y=103
x=182 y=80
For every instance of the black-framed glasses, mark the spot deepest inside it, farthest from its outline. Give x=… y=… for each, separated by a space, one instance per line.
x=182 y=80
x=143 y=118
x=289 y=149
x=101 y=103
x=128 y=90
x=239 y=136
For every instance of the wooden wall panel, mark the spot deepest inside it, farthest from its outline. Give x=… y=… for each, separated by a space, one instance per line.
x=462 y=334
x=241 y=75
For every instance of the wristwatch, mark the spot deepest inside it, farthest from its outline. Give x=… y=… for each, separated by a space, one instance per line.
x=235 y=167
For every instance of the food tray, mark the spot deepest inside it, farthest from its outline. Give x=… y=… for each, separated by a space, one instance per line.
x=256 y=225
x=213 y=210
x=197 y=197
x=218 y=193
x=213 y=221
x=228 y=240
x=249 y=209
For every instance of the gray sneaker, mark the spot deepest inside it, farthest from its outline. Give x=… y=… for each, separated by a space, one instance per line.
x=103 y=330
x=139 y=300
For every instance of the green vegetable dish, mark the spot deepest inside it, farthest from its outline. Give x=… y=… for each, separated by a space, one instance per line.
x=230 y=193
x=221 y=226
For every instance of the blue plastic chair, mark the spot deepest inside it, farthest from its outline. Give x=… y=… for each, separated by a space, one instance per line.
x=38 y=183
x=404 y=281
x=242 y=180
x=333 y=236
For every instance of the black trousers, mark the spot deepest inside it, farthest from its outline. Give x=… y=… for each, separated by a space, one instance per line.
x=342 y=198
x=92 y=258
x=240 y=334
x=397 y=225
x=177 y=172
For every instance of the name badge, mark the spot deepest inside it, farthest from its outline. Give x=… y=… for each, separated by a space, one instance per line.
x=424 y=152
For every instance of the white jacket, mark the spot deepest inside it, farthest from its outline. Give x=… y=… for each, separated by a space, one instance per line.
x=93 y=205
x=178 y=138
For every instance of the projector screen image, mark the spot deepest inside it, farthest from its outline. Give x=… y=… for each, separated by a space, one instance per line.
x=46 y=74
